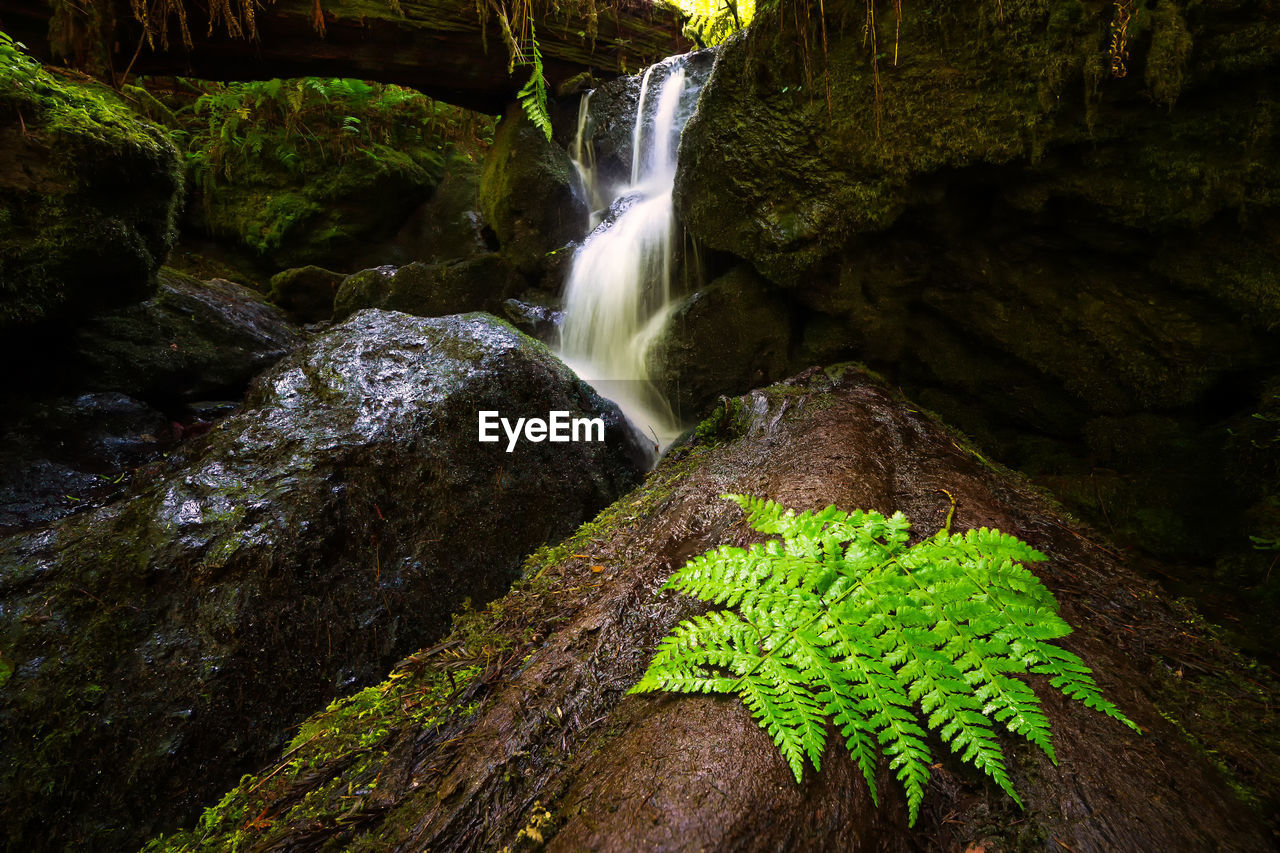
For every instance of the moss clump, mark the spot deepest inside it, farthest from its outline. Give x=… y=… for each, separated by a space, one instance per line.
x=293 y=172
x=88 y=197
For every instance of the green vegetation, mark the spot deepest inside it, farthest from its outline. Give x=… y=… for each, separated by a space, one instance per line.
x=713 y=21
x=298 y=171
x=841 y=620
x=65 y=228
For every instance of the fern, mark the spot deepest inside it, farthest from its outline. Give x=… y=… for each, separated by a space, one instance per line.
x=841 y=621
x=533 y=97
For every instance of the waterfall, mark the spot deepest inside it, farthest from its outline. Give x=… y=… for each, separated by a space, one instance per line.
x=618 y=294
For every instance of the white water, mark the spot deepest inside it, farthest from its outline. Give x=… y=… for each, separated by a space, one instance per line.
x=619 y=296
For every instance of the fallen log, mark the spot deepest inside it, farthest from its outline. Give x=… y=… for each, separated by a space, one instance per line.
x=448 y=49
x=518 y=731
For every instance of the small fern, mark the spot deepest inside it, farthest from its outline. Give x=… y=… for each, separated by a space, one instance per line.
x=841 y=621
x=533 y=97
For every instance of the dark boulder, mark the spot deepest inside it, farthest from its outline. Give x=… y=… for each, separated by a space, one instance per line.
x=158 y=647
x=193 y=340
x=65 y=454
x=728 y=337
x=432 y=290
x=307 y=293
x=89 y=195
x=446 y=227
x=530 y=193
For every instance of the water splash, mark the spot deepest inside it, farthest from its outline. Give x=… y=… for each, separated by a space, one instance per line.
x=619 y=295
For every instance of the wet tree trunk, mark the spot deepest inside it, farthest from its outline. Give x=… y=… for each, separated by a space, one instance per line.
x=555 y=748
x=445 y=48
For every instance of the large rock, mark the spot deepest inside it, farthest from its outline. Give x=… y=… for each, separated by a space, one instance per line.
x=156 y=648
x=1029 y=246
x=530 y=193
x=482 y=283
x=725 y=338
x=193 y=340
x=88 y=197
x=306 y=292
x=550 y=743
x=446 y=227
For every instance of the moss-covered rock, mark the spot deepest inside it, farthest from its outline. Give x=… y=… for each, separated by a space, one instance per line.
x=530 y=193
x=446 y=227
x=161 y=646
x=1021 y=240
x=725 y=338
x=89 y=193
x=431 y=290
x=280 y=219
x=306 y=292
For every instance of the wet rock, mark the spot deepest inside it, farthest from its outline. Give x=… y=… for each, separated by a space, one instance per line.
x=538 y=321
x=89 y=194
x=725 y=338
x=63 y=455
x=431 y=290
x=530 y=193
x=307 y=293
x=162 y=645
x=193 y=340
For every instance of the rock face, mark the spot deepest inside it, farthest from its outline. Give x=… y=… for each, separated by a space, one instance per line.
x=157 y=647
x=1033 y=249
x=431 y=290
x=530 y=193
x=725 y=338
x=446 y=227
x=89 y=194
x=549 y=739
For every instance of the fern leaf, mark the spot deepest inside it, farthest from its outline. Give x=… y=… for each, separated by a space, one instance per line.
x=838 y=620
x=533 y=96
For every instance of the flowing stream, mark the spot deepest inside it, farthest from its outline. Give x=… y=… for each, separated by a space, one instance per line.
x=619 y=292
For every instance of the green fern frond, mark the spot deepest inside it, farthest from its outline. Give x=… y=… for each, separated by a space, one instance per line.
x=533 y=96
x=840 y=621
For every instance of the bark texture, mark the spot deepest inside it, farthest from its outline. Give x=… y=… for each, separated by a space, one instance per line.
x=551 y=749
x=445 y=48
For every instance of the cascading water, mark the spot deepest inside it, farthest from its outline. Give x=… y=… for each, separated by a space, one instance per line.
x=619 y=295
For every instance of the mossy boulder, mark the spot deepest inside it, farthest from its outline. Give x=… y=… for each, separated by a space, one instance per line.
x=306 y=292
x=725 y=338
x=530 y=193
x=446 y=227
x=431 y=290
x=1027 y=243
x=279 y=219
x=160 y=646
x=89 y=193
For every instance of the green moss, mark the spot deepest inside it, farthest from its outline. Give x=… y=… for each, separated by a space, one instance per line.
x=93 y=202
